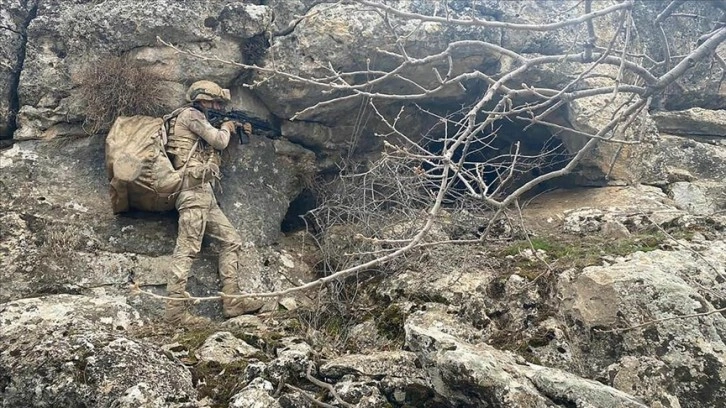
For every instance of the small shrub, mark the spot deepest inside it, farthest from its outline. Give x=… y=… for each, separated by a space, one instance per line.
x=118 y=86
x=390 y=323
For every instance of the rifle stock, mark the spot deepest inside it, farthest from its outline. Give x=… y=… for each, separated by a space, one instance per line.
x=259 y=126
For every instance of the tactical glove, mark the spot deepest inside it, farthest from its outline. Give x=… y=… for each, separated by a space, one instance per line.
x=229 y=125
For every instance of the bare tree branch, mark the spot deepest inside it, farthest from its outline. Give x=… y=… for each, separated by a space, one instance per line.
x=495 y=24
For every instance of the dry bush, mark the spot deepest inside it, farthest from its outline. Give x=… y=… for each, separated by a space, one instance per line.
x=60 y=240
x=358 y=206
x=118 y=86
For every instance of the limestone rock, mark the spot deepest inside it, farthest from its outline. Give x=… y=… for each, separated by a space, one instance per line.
x=255 y=395
x=224 y=348
x=293 y=359
x=478 y=374
x=76 y=351
x=699 y=197
x=143 y=395
x=458 y=278
x=647 y=377
x=13 y=20
x=259 y=185
x=245 y=20
x=630 y=163
x=646 y=287
x=596 y=210
x=396 y=372
x=63 y=36
x=614 y=230
x=702 y=158
x=692 y=122
x=363 y=393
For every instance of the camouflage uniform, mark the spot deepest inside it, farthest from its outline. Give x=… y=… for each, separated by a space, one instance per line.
x=199 y=212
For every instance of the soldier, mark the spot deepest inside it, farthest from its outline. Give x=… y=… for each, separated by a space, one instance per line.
x=194 y=140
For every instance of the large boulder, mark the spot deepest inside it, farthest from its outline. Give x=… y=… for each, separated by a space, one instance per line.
x=659 y=290
x=77 y=351
x=476 y=374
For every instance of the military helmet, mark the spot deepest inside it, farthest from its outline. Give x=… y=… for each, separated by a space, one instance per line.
x=207 y=91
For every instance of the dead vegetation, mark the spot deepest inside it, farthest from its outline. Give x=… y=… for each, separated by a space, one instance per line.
x=119 y=86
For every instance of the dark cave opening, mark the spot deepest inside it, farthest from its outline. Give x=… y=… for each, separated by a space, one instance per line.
x=294 y=219
x=504 y=157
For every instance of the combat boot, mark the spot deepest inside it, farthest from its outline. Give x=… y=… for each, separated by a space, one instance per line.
x=237 y=307
x=176 y=314
x=233 y=307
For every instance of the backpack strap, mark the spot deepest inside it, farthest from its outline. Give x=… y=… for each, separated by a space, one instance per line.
x=183 y=170
x=169 y=121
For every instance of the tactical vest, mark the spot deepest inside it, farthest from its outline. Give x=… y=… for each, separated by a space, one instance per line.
x=181 y=142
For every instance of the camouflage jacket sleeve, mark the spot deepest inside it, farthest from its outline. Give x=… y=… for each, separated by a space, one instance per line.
x=198 y=124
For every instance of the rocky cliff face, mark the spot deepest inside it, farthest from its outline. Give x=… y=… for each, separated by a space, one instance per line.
x=546 y=315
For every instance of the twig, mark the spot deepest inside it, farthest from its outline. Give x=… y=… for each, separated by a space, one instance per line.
x=670 y=8
x=327 y=386
x=293 y=24
x=309 y=398
x=591 y=38
x=531 y=246
x=665 y=319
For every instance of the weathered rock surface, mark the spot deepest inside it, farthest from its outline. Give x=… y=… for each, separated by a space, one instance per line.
x=630 y=163
x=76 y=351
x=699 y=197
x=692 y=122
x=480 y=375
x=688 y=159
x=224 y=348
x=397 y=373
x=13 y=22
x=63 y=38
x=255 y=395
x=646 y=287
x=293 y=358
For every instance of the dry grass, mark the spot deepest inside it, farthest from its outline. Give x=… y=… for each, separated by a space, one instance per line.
x=118 y=86
x=59 y=241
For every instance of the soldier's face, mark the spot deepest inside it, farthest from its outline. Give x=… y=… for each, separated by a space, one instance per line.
x=212 y=105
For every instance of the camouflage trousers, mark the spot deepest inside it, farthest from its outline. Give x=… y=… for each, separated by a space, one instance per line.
x=199 y=214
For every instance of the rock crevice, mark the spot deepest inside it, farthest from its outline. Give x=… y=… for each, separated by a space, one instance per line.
x=16 y=69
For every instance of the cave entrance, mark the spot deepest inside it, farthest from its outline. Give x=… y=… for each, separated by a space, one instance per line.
x=294 y=219
x=505 y=156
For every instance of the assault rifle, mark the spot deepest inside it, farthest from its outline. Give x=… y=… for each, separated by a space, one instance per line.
x=259 y=126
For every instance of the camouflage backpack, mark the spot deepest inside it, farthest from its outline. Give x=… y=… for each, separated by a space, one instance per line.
x=139 y=170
